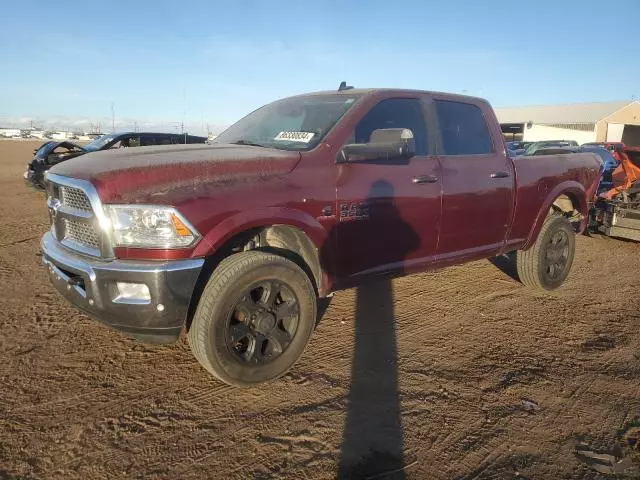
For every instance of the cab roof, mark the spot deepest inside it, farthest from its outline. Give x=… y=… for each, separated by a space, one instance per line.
x=395 y=91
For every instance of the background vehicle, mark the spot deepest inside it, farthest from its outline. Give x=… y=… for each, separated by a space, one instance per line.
x=535 y=146
x=608 y=145
x=617 y=211
x=304 y=196
x=53 y=152
x=517 y=148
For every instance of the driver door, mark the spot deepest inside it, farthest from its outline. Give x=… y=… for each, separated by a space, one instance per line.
x=389 y=209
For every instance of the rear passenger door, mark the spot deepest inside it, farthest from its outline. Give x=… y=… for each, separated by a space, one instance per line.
x=477 y=183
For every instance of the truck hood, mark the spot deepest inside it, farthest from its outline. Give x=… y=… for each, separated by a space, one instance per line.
x=168 y=174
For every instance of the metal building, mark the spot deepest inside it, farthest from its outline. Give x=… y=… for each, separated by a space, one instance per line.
x=582 y=122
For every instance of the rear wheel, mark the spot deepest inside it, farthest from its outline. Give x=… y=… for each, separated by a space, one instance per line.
x=547 y=263
x=254 y=318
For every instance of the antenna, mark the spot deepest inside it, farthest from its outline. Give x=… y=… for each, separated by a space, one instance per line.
x=344 y=86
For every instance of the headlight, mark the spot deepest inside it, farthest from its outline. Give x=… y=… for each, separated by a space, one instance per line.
x=149 y=226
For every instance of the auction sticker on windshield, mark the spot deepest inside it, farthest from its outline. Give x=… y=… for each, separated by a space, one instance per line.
x=304 y=137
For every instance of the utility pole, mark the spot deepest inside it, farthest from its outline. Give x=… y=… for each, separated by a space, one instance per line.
x=184 y=111
x=113 y=117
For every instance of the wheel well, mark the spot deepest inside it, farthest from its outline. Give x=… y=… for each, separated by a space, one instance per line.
x=284 y=240
x=564 y=203
x=567 y=204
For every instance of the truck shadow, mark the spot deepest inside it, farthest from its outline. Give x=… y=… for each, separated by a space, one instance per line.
x=372 y=440
x=506 y=264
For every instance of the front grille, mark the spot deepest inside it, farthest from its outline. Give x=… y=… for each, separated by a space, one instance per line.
x=73 y=219
x=82 y=233
x=74 y=198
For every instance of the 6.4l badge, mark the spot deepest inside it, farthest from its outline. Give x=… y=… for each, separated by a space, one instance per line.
x=350 y=211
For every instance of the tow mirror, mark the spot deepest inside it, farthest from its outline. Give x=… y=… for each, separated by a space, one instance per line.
x=384 y=144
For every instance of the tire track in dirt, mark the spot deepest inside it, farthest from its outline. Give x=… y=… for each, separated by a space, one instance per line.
x=84 y=402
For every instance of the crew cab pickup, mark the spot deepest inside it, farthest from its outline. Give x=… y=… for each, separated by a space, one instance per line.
x=236 y=241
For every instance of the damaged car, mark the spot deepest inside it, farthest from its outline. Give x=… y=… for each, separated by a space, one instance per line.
x=617 y=210
x=53 y=152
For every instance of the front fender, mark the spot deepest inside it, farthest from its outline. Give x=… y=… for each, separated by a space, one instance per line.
x=260 y=217
x=573 y=190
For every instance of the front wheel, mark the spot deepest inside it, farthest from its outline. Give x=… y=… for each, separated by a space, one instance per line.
x=254 y=319
x=547 y=263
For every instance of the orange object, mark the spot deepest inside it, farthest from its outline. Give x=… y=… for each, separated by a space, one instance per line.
x=625 y=175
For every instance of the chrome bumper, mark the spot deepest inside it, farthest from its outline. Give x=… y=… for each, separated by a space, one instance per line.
x=90 y=284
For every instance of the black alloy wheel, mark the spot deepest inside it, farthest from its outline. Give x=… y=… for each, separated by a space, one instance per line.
x=263 y=322
x=556 y=256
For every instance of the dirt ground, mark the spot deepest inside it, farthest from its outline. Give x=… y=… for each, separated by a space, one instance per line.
x=420 y=378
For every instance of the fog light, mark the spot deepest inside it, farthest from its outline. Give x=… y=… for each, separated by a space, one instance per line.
x=132 y=293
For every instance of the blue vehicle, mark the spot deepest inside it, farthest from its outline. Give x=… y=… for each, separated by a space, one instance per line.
x=517 y=148
x=609 y=165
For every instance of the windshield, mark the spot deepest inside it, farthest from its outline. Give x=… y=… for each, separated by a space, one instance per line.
x=99 y=143
x=297 y=123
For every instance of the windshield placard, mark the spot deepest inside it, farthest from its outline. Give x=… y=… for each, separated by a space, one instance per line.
x=304 y=137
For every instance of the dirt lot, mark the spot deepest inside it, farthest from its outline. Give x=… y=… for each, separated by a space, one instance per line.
x=432 y=386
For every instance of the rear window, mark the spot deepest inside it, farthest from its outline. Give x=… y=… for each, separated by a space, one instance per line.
x=463 y=129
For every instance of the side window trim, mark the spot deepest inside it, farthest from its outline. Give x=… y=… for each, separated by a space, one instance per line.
x=431 y=122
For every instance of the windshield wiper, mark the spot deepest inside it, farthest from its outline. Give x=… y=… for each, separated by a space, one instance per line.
x=251 y=144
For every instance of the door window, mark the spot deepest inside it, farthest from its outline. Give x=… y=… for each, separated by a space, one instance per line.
x=132 y=142
x=463 y=129
x=395 y=113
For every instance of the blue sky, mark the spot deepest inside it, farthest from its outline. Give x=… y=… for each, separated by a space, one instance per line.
x=164 y=62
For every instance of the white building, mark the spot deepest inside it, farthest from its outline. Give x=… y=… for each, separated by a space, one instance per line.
x=37 y=133
x=582 y=122
x=60 y=135
x=10 y=132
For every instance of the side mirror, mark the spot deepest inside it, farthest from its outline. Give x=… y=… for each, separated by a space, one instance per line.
x=384 y=144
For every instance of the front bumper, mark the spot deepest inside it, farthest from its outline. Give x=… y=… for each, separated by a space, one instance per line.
x=90 y=284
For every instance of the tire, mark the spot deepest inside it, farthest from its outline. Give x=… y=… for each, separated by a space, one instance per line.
x=546 y=265
x=241 y=334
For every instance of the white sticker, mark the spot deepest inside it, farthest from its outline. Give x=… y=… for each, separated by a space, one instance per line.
x=304 y=137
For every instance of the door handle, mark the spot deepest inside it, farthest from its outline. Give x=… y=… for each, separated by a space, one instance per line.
x=500 y=174
x=424 y=179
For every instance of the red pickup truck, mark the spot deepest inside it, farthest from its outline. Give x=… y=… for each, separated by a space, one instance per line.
x=237 y=240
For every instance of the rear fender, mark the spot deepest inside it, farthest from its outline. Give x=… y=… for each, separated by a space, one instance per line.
x=576 y=192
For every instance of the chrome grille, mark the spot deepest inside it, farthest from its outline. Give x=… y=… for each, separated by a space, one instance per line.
x=82 y=233
x=74 y=222
x=74 y=198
